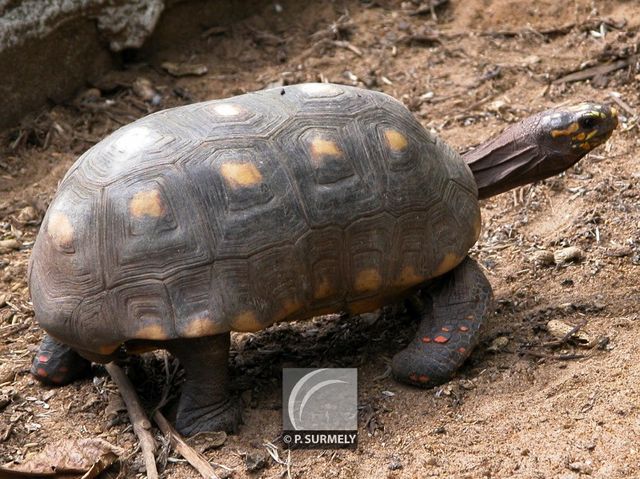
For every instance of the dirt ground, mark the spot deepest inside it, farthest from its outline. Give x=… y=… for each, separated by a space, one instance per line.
x=526 y=404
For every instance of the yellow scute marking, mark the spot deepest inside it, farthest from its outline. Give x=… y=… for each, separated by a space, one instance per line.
x=396 y=140
x=153 y=331
x=368 y=280
x=450 y=261
x=107 y=349
x=321 y=147
x=199 y=327
x=323 y=289
x=146 y=203
x=227 y=109
x=409 y=277
x=60 y=229
x=567 y=131
x=289 y=307
x=240 y=175
x=246 y=321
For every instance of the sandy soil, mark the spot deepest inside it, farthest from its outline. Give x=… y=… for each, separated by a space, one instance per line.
x=522 y=406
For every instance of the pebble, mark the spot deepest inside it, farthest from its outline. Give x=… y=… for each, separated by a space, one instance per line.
x=581 y=467
x=543 y=258
x=255 y=460
x=143 y=88
x=568 y=255
x=498 y=344
x=9 y=245
x=28 y=214
x=559 y=329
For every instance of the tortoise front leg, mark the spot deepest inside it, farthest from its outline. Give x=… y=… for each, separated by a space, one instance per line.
x=56 y=364
x=453 y=313
x=205 y=403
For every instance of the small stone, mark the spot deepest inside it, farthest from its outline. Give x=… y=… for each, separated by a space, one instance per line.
x=559 y=329
x=143 y=88
x=184 y=69
x=388 y=394
x=255 y=460
x=498 y=344
x=9 y=245
x=28 y=214
x=582 y=467
x=542 y=258
x=568 y=255
x=395 y=464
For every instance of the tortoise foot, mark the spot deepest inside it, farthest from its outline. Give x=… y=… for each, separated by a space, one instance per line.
x=191 y=419
x=56 y=364
x=454 y=312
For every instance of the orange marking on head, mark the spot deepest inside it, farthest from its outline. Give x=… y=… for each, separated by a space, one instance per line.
x=426 y=339
x=240 y=175
x=146 y=203
x=60 y=229
x=445 y=329
x=441 y=339
x=43 y=358
x=42 y=373
x=396 y=140
x=567 y=131
x=462 y=350
x=464 y=328
x=470 y=317
x=368 y=280
x=423 y=378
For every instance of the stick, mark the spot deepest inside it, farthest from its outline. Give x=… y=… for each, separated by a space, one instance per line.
x=139 y=419
x=192 y=456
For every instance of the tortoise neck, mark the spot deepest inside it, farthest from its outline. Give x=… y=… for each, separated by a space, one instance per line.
x=504 y=162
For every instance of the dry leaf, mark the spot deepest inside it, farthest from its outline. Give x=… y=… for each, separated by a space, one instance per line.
x=83 y=458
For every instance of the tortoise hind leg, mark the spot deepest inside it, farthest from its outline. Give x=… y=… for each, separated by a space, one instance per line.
x=56 y=364
x=205 y=403
x=455 y=309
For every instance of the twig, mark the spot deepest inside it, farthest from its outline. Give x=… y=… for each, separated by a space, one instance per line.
x=598 y=70
x=13 y=329
x=139 y=420
x=567 y=336
x=191 y=455
x=623 y=104
x=559 y=357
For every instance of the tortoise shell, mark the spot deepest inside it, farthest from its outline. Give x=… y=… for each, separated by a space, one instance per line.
x=230 y=215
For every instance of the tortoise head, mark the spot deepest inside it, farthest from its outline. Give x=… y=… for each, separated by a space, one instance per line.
x=567 y=134
x=540 y=146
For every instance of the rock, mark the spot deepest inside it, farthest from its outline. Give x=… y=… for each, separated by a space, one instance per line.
x=255 y=460
x=143 y=88
x=559 y=329
x=585 y=467
x=568 y=255
x=28 y=214
x=9 y=245
x=542 y=258
x=184 y=69
x=498 y=344
x=395 y=464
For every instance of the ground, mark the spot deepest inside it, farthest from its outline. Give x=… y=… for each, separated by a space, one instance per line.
x=528 y=403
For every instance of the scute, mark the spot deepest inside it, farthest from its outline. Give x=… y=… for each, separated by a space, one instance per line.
x=238 y=213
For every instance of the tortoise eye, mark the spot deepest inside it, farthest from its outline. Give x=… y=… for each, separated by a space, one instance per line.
x=588 y=122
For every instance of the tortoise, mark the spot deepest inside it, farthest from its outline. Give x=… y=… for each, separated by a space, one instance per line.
x=280 y=205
